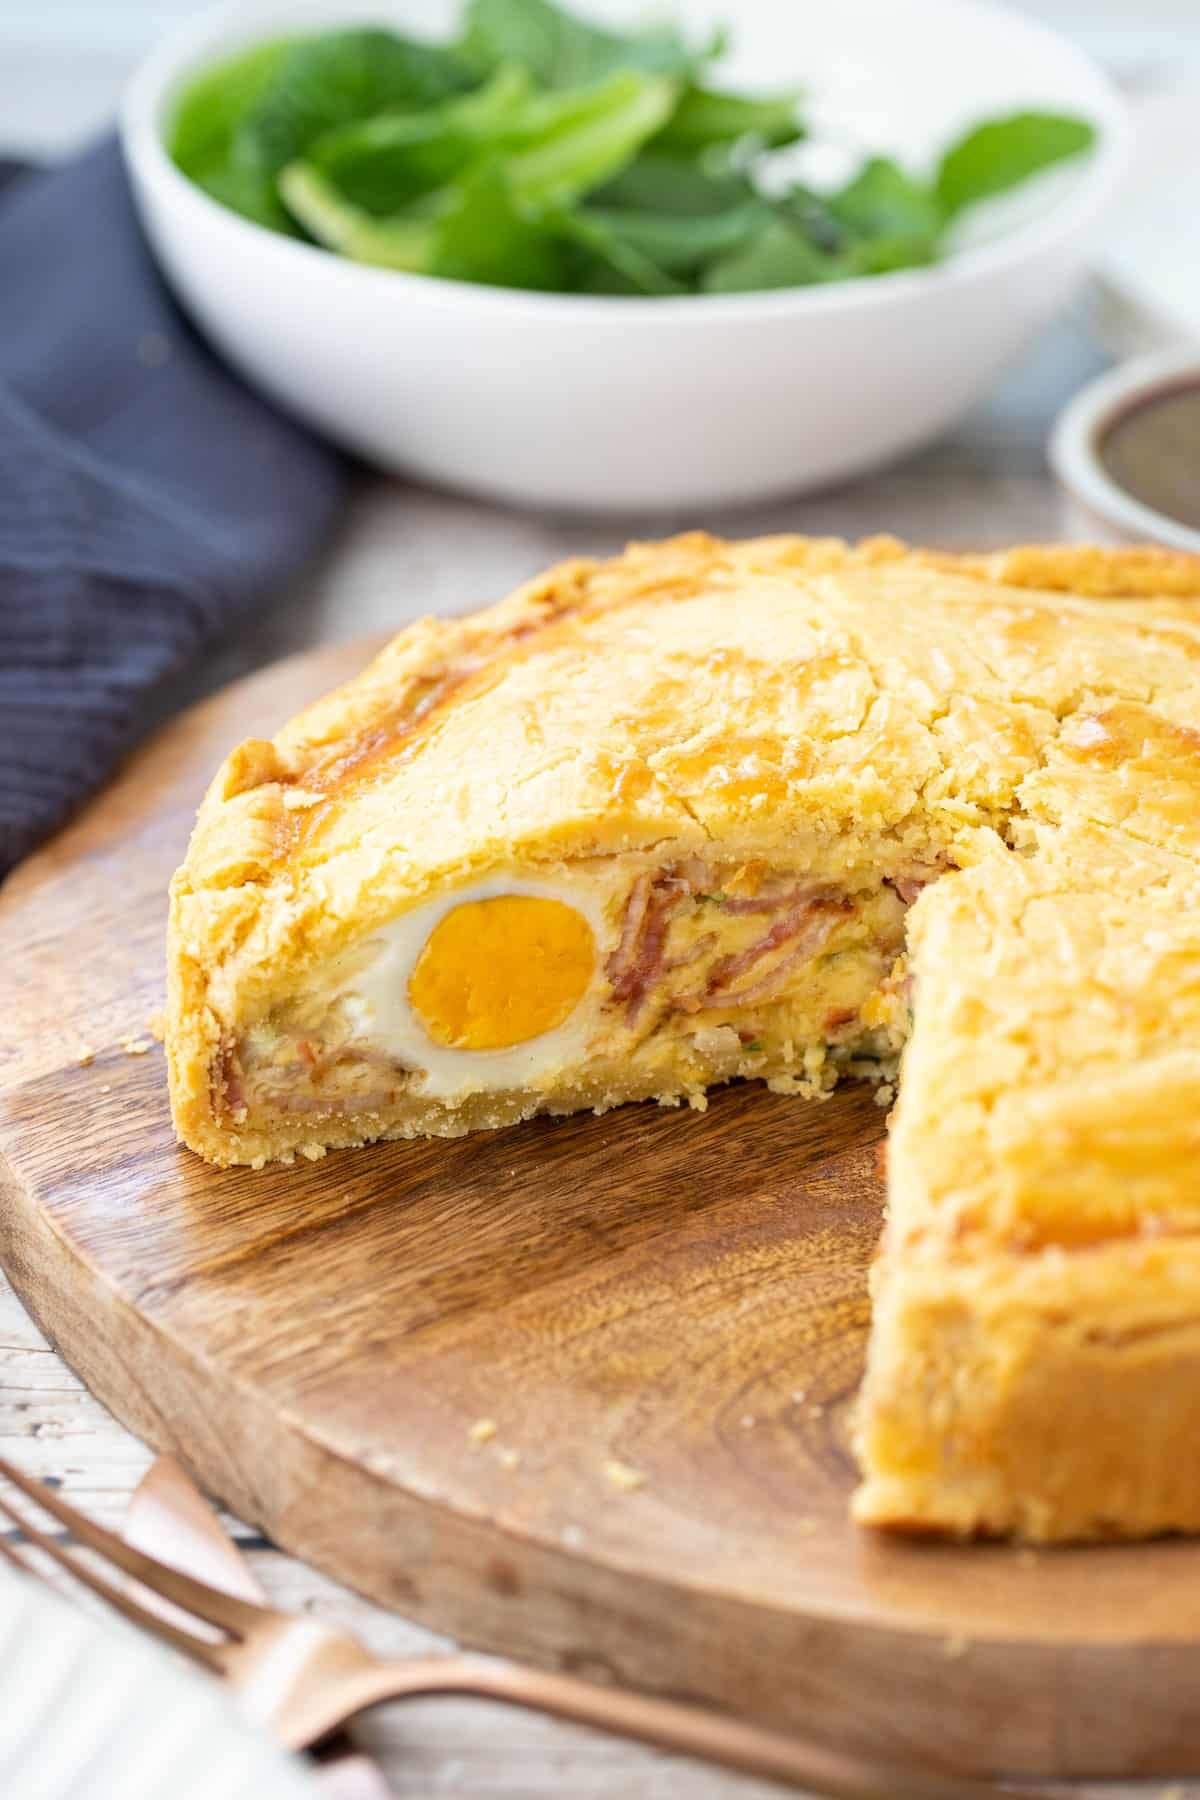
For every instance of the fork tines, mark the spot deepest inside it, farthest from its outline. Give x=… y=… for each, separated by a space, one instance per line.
x=226 y=1616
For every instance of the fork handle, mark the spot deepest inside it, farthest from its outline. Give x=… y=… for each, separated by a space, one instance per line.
x=666 y=1724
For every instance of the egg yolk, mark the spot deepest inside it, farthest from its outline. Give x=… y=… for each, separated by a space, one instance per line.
x=496 y=972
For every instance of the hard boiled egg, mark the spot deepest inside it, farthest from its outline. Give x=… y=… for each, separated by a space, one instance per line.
x=493 y=986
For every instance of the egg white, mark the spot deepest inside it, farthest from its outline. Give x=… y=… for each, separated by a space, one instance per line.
x=376 y=1002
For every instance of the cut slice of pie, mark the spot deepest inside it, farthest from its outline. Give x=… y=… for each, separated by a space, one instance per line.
x=781 y=809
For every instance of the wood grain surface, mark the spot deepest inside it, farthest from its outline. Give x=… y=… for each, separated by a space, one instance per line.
x=680 y=1295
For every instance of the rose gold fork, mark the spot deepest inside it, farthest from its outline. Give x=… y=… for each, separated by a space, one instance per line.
x=302 y=1680
x=169 y=1518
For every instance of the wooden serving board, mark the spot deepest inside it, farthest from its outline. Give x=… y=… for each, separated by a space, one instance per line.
x=682 y=1294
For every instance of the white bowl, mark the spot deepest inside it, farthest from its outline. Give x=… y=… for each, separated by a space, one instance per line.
x=1097 y=508
x=579 y=403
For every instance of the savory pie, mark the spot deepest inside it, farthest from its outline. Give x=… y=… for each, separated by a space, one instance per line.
x=783 y=810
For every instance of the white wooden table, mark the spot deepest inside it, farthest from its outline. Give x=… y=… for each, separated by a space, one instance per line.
x=403 y=551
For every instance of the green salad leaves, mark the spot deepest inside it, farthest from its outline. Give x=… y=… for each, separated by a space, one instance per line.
x=542 y=151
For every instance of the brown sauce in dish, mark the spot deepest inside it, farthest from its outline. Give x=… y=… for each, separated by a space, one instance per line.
x=1153 y=452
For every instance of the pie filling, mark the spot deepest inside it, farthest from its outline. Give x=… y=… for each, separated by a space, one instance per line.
x=648 y=980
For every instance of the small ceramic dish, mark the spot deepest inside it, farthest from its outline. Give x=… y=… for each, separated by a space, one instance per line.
x=1107 y=484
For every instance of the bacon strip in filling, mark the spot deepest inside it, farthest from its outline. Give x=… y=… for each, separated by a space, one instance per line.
x=637 y=962
x=805 y=929
x=736 y=906
x=804 y=916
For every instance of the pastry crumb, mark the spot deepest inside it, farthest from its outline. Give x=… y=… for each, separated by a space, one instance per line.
x=106 y=1088
x=622 y=1476
x=132 y=1045
x=799 y=1396
x=956 y=1645
x=508 y=1459
x=312 y=1152
x=85 y=1056
x=747 y=1421
x=482 y=1430
x=572 y=1536
x=156 y=1025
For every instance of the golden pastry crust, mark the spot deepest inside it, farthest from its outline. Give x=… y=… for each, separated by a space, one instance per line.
x=1022 y=726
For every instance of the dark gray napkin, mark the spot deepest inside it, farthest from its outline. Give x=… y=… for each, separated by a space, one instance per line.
x=149 y=502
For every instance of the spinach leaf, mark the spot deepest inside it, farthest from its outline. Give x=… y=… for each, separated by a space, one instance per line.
x=340 y=77
x=202 y=133
x=780 y=256
x=812 y=214
x=1002 y=153
x=555 y=146
x=882 y=201
x=400 y=242
x=581 y=138
x=486 y=236
x=886 y=255
x=215 y=104
x=671 y=212
x=705 y=117
x=881 y=221
x=663 y=181
x=567 y=143
x=611 y=263
x=473 y=231
x=679 y=244
x=560 y=50
x=383 y=163
x=246 y=190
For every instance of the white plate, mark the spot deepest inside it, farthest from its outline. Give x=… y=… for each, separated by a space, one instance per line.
x=90 y=1710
